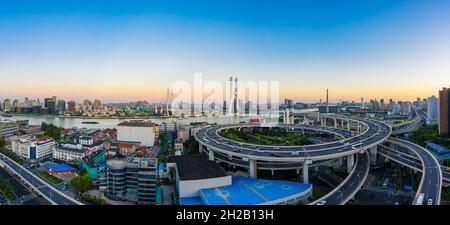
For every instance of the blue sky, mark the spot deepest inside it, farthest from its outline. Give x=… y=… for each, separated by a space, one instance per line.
x=126 y=50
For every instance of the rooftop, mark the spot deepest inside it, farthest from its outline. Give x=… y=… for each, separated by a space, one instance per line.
x=248 y=191
x=57 y=168
x=196 y=167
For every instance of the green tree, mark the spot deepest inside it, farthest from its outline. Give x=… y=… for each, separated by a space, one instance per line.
x=82 y=183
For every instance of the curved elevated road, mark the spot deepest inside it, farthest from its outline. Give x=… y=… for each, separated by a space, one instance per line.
x=43 y=188
x=348 y=188
x=375 y=133
x=431 y=182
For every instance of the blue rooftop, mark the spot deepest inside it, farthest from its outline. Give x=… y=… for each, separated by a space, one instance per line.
x=438 y=149
x=248 y=191
x=191 y=201
x=61 y=168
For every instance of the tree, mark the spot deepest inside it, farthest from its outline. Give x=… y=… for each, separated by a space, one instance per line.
x=81 y=183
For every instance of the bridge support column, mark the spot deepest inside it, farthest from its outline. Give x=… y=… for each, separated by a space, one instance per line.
x=200 y=148
x=323 y=122
x=373 y=156
x=305 y=173
x=342 y=123
x=350 y=163
x=335 y=123
x=252 y=168
x=211 y=155
x=348 y=125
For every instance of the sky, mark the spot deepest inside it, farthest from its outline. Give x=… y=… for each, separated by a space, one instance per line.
x=134 y=50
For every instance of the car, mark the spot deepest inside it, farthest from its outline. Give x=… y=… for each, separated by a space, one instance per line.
x=323 y=202
x=430 y=202
x=64 y=187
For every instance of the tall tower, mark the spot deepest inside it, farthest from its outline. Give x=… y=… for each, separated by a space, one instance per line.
x=327 y=109
x=236 y=104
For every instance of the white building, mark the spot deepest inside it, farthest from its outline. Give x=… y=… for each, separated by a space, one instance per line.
x=34 y=149
x=432 y=110
x=140 y=131
x=74 y=152
x=193 y=173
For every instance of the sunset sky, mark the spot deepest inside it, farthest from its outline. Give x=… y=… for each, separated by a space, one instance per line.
x=132 y=50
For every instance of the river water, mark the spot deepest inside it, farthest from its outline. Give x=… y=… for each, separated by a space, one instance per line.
x=71 y=122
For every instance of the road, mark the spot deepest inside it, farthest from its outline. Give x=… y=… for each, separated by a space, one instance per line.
x=376 y=133
x=431 y=183
x=347 y=189
x=56 y=197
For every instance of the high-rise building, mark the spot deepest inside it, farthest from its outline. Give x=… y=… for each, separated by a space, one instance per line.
x=444 y=111
x=7 y=105
x=97 y=104
x=432 y=110
x=71 y=106
x=61 y=108
x=50 y=104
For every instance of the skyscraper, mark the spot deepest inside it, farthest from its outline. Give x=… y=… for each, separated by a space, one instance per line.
x=444 y=111
x=71 y=105
x=50 y=104
x=61 y=108
x=432 y=110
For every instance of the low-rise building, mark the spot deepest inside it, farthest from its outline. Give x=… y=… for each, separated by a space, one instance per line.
x=179 y=149
x=9 y=128
x=34 y=149
x=194 y=173
x=94 y=163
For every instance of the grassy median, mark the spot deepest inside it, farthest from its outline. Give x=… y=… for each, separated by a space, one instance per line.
x=50 y=177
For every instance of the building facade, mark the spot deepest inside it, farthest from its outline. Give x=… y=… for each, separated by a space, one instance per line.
x=34 y=149
x=140 y=131
x=432 y=110
x=444 y=111
x=8 y=128
x=133 y=179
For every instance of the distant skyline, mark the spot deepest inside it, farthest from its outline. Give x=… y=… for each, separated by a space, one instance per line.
x=134 y=50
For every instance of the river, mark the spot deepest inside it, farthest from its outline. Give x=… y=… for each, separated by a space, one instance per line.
x=71 y=122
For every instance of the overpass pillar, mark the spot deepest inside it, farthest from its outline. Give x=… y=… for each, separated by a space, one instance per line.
x=350 y=162
x=305 y=173
x=348 y=125
x=373 y=156
x=200 y=148
x=252 y=168
x=335 y=123
x=342 y=123
x=211 y=155
x=323 y=122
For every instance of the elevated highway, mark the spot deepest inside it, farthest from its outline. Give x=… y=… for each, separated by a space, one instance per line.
x=51 y=194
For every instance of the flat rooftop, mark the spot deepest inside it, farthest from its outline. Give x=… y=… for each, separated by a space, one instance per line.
x=248 y=191
x=196 y=167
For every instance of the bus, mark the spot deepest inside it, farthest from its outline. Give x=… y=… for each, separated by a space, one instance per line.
x=385 y=183
x=419 y=200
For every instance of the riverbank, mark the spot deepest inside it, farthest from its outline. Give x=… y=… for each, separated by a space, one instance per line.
x=87 y=117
